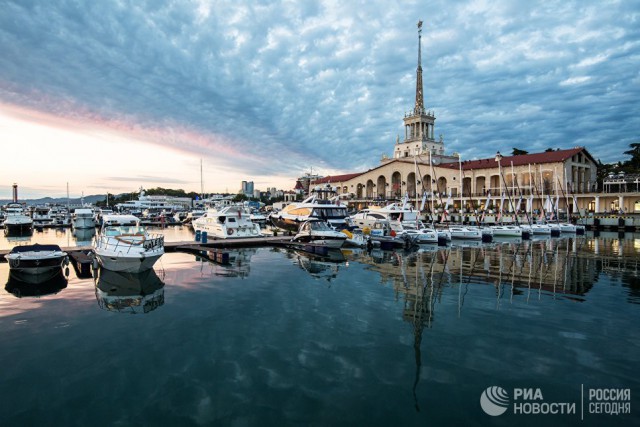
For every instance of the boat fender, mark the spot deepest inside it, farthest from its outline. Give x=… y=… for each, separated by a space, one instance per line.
x=349 y=234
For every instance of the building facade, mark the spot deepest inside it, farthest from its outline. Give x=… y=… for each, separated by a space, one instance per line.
x=420 y=167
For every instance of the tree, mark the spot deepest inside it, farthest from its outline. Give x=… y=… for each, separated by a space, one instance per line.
x=633 y=165
x=240 y=198
x=518 y=152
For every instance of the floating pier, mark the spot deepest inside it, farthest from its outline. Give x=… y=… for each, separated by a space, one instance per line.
x=82 y=262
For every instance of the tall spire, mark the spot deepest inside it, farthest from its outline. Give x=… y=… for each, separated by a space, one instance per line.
x=419 y=108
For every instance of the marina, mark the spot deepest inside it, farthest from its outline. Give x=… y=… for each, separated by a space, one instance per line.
x=353 y=337
x=249 y=240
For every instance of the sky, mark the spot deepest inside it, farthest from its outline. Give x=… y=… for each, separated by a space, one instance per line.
x=109 y=96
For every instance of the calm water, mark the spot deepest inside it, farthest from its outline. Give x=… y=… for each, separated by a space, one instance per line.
x=278 y=338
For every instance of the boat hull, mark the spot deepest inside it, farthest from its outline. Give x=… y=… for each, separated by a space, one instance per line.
x=329 y=242
x=134 y=263
x=500 y=231
x=36 y=259
x=228 y=232
x=37 y=266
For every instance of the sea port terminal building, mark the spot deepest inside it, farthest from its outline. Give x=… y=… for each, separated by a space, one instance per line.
x=419 y=166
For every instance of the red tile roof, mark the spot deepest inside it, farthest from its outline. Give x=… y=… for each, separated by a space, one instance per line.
x=523 y=159
x=336 y=178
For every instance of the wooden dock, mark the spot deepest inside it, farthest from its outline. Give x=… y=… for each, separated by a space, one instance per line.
x=189 y=246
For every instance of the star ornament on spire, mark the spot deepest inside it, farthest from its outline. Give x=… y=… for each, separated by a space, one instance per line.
x=419 y=25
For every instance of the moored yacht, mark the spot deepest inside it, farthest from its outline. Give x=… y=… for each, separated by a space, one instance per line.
x=394 y=213
x=543 y=229
x=83 y=218
x=314 y=206
x=318 y=232
x=121 y=246
x=506 y=230
x=464 y=232
x=36 y=259
x=41 y=217
x=230 y=222
x=17 y=223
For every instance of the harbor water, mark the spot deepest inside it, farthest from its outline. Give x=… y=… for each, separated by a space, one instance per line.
x=380 y=338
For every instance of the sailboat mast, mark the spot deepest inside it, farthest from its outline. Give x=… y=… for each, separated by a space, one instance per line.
x=461 y=187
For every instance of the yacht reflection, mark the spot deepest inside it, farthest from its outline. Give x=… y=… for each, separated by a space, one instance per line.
x=318 y=266
x=132 y=293
x=35 y=285
x=237 y=265
x=18 y=240
x=84 y=236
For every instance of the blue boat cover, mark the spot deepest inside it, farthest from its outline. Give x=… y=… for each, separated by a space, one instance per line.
x=35 y=248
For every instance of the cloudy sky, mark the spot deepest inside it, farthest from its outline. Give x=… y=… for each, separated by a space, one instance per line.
x=114 y=95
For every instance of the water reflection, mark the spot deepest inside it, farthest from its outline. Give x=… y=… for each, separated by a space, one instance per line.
x=515 y=268
x=320 y=267
x=132 y=293
x=22 y=284
x=84 y=236
x=238 y=263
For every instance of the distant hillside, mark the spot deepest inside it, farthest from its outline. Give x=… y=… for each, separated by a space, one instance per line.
x=59 y=200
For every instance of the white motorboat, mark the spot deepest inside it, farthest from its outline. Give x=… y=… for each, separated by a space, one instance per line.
x=355 y=237
x=36 y=259
x=327 y=209
x=543 y=229
x=318 y=232
x=395 y=213
x=419 y=233
x=230 y=222
x=464 y=232
x=257 y=217
x=41 y=217
x=83 y=218
x=567 y=228
x=189 y=217
x=506 y=230
x=421 y=236
x=17 y=223
x=121 y=246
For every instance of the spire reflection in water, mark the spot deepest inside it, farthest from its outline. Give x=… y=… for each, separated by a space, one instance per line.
x=132 y=293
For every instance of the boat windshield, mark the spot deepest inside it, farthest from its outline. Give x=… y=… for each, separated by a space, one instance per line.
x=118 y=231
x=319 y=225
x=320 y=212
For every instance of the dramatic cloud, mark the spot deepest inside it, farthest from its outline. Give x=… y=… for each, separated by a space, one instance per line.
x=273 y=88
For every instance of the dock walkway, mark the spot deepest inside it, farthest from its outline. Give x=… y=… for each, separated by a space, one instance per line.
x=190 y=245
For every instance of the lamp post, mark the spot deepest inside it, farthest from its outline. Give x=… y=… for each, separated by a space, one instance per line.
x=499 y=160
